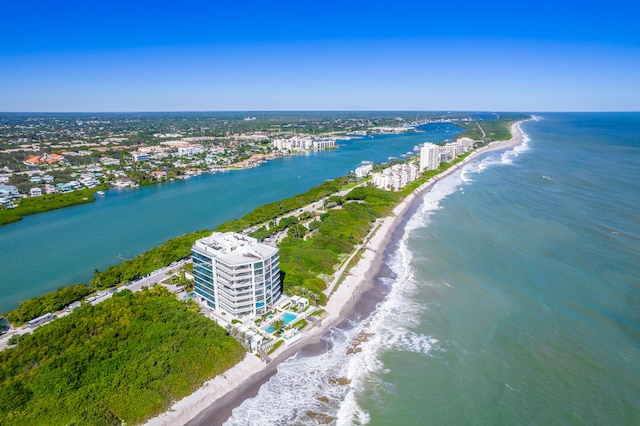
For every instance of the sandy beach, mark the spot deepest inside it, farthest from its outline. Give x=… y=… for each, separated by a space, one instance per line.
x=213 y=402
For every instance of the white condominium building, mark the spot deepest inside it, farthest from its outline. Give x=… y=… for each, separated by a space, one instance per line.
x=298 y=143
x=324 y=143
x=455 y=149
x=395 y=177
x=429 y=156
x=235 y=273
x=467 y=142
x=362 y=171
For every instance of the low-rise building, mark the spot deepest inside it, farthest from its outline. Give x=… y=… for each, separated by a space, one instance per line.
x=159 y=175
x=323 y=143
x=9 y=191
x=123 y=182
x=44 y=159
x=467 y=142
x=50 y=189
x=395 y=177
x=190 y=150
x=138 y=156
x=109 y=161
x=363 y=170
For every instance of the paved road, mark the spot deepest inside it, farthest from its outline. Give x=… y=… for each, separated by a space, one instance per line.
x=149 y=280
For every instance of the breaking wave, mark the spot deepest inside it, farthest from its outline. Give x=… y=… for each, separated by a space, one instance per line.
x=324 y=388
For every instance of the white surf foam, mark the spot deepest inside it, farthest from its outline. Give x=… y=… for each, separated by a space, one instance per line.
x=509 y=155
x=302 y=388
x=465 y=175
x=392 y=325
x=506 y=157
x=330 y=384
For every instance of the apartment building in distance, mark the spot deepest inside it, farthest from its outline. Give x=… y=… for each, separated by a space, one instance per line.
x=364 y=169
x=429 y=156
x=395 y=177
x=234 y=273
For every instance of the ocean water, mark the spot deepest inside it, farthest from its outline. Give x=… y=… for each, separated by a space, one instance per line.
x=512 y=297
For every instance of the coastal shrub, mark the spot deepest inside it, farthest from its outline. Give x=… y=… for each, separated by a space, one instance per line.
x=315 y=284
x=338 y=231
x=147 y=262
x=495 y=129
x=261 y=233
x=273 y=210
x=374 y=196
x=291 y=278
x=334 y=245
x=300 y=325
x=34 y=205
x=306 y=256
x=275 y=346
x=123 y=360
x=49 y=302
x=297 y=231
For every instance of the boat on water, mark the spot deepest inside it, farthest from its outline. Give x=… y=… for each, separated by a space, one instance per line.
x=100 y=192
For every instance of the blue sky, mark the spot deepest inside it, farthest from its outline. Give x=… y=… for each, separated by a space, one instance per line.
x=330 y=55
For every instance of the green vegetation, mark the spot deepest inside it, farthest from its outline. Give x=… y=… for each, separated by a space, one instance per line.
x=124 y=360
x=302 y=261
x=147 y=262
x=130 y=357
x=273 y=210
x=49 y=302
x=33 y=205
x=181 y=280
x=300 y=325
x=495 y=129
x=275 y=346
x=262 y=232
x=278 y=324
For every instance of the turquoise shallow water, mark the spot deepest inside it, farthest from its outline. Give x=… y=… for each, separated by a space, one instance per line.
x=514 y=297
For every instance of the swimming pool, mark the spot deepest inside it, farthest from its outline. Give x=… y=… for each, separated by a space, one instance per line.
x=286 y=318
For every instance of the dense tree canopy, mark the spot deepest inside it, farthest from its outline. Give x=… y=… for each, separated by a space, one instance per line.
x=125 y=359
x=49 y=302
x=147 y=262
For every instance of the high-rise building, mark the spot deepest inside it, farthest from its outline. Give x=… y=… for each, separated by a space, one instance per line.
x=429 y=158
x=236 y=274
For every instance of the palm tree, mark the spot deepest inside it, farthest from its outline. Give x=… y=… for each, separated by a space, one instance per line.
x=97 y=274
x=278 y=324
